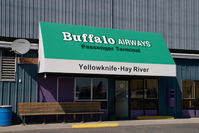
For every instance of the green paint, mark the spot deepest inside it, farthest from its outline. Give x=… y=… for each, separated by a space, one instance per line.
x=152 y=48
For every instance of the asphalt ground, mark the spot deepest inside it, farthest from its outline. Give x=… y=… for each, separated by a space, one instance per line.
x=128 y=126
x=168 y=128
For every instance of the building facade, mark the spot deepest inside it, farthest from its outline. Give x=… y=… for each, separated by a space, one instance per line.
x=176 y=20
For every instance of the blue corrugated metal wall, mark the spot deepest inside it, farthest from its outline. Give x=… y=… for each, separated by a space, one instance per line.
x=186 y=70
x=164 y=84
x=27 y=91
x=11 y=93
x=177 y=20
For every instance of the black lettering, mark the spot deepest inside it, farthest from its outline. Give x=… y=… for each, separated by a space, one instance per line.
x=135 y=69
x=81 y=65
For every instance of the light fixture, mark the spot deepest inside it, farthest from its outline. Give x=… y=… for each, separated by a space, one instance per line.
x=45 y=76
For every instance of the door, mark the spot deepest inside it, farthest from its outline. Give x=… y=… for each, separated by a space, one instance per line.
x=121 y=98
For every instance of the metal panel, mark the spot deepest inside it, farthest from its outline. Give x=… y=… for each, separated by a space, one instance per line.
x=20 y=18
x=177 y=20
x=186 y=70
x=0 y=61
x=24 y=89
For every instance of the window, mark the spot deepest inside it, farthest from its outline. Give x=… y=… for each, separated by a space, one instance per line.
x=190 y=94
x=147 y=89
x=188 y=89
x=197 y=90
x=7 y=65
x=92 y=89
x=100 y=88
x=83 y=89
x=137 y=89
x=144 y=94
x=151 y=88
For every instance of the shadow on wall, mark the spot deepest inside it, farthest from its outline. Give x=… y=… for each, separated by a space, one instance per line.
x=53 y=89
x=164 y=84
x=47 y=89
x=188 y=70
x=16 y=119
x=23 y=91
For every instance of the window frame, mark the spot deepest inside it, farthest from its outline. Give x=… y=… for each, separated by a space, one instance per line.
x=140 y=89
x=192 y=100
x=75 y=90
x=144 y=100
x=106 y=99
x=145 y=87
x=91 y=99
x=144 y=81
x=195 y=89
x=194 y=84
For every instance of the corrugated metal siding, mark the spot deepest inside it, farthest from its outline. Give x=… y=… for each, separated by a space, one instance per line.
x=20 y=18
x=27 y=91
x=164 y=84
x=177 y=20
x=186 y=70
x=11 y=93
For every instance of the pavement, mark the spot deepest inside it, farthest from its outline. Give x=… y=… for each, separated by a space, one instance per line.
x=31 y=127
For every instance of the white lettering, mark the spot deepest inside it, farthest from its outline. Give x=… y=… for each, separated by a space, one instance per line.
x=90 y=36
x=133 y=42
x=104 y=38
x=127 y=42
x=84 y=37
x=97 y=39
x=111 y=41
x=143 y=42
x=148 y=44
x=139 y=43
x=120 y=41
x=77 y=38
x=67 y=36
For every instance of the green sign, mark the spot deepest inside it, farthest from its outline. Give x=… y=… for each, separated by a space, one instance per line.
x=83 y=43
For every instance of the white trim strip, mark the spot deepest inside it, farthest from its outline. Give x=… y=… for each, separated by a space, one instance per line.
x=185 y=56
x=98 y=67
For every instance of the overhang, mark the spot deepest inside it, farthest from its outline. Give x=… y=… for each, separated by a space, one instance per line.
x=91 y=50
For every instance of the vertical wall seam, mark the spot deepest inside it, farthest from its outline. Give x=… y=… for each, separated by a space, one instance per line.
x=9 y=94
x=1 y=103
x=29 y=86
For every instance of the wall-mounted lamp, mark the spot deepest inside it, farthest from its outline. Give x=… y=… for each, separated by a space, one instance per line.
x=45 y=76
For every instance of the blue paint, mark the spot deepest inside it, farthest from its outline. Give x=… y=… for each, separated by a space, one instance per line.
x=5 y=116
